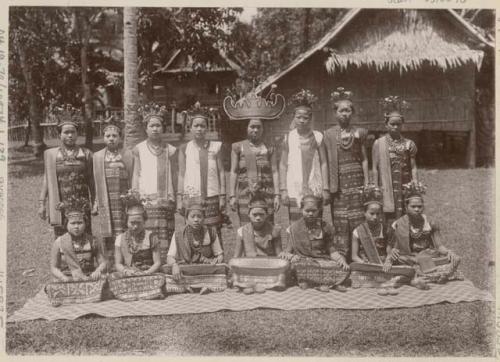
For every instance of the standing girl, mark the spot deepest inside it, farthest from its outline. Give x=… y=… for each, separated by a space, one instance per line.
x=394 y=160
x=303 y=166
x=68 y=172
x=348 y=168
x=201 y=172
x=153 y=175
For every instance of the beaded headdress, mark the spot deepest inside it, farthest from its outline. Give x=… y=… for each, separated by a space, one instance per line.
x=414 y=190
x=372 y=195
x=394 y=106
x=152 y=110
x=133 y=202
x=254 y=106
x=304 y=98
x=195 y=203
x=74 y=207
x=199 y=111
x=112 y=123
x=67 y=115
x=340 y=94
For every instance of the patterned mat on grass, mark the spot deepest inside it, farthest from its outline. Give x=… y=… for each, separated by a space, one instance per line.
x=290 y=299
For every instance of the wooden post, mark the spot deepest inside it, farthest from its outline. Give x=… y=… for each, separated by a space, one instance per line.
x=471 y=147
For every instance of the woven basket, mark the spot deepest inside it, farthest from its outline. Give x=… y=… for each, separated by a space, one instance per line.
x=265 y=272
x=368 y=275
x=319 y=272
x=75 y=292
x=140 y=287
x=196 y=276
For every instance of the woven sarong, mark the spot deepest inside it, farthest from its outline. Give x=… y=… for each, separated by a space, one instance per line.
x=319 y=272
x=196 y=276
x=75 y=292
x=265 y=272
x=140 y=287
x=161 y=220
x=117 y=184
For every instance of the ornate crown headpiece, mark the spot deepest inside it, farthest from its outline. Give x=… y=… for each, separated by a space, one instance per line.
x=372 y=195
x=195 y=203
x=67 y=114
x=133 y=202
x=199 y=111
x=254 y=106
x=151 y=110
x=394 y=104
x=304 y=98
x=414 y=190
x=340 y=94
x=74 y=206
x=112 y=122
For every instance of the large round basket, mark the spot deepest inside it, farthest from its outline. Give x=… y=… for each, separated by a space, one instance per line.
x=368 y=275
x=319 y=272
x=266 y=272
x=196 y=276
x=75 y=292
x=140 y=287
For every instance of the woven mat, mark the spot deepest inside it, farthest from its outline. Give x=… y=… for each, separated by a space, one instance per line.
x=290 y=299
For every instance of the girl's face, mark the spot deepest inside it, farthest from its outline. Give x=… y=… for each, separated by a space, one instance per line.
x=195 y=218
x=112 y=138
x=393 y=125
x=135 y=223
x=373 y=213
x=257 y=216
x=76 y=225
x=415 y=207
x=255 y=129
x=154 y=128
x=302 y=119
x=344 y=113
x=310 y=211
x=199 y=128
x=68 y=135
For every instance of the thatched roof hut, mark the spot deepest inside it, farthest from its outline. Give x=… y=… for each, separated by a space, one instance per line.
x=429 y=57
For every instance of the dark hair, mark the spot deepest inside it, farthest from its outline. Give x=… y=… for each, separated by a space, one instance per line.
x=319 y=201
x=387 y=116
x=304 y=107
x=189 y=210
x=85 y=220
x=371 y=203
x=148 y=119
x=144 y=216
x=60 y=127
x=407 y=201
x=191 y=119
x=336 y=104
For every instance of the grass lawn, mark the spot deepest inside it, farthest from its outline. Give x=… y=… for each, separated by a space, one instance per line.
x=461 y=201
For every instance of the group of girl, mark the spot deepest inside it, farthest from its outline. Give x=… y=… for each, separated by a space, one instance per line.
x=134 y=195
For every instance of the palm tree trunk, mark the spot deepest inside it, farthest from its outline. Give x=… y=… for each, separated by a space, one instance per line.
x=134 y=132
x=87 y=97
x=34 y=104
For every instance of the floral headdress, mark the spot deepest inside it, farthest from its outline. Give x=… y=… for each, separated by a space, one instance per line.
x=199 y=111
x=413 y=190
x=133 y=202
x=74 y=206
x=341 y=94
x=152 y=110
x=304 y=98
x=372 y=195
x=112 y=123
x=394 y=106
x=66 y=114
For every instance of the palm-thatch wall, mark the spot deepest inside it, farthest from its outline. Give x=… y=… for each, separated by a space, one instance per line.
x=421 y=55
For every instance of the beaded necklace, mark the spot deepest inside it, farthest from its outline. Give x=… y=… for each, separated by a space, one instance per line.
x=346 y=142
x=69 y=155
x=155 y=149
x=132 y=244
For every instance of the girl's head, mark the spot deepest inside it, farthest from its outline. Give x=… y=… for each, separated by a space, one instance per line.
x=112 y=137
x=373 y=212
x=195 y=216
x=199 y=127
x=303 y=102
x=255 y=129
x=311 y=207
x=136 y=219
x=393 y=123
x=68 y=134
x=415 y=206
x=344 y=110
x=154 y=127
x=75 y=223
x=257 y=212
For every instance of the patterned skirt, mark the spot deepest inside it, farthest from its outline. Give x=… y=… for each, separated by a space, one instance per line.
x=75 y=292
x=319 y=272
x=196 y=276
x=213 y=216
x=117 y=184
x=161 y=220
x=140 y=287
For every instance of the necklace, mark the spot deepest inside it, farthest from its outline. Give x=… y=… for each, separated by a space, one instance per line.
x=396 y=145
x=132 y=244
x=112 y=156
x=374 y=229
x=155 y=149
x=416 y=228
x=346 y=142
x=69 y=155
x=195 y=236
x=79 y=244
